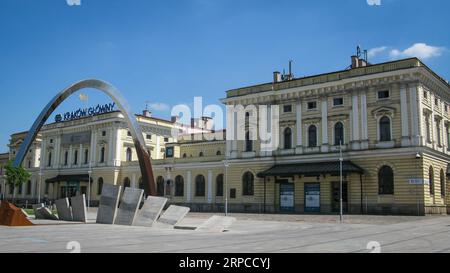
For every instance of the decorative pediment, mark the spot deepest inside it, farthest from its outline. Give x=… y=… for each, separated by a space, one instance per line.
x=383 y=111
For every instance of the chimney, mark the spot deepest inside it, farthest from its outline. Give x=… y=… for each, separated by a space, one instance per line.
x=175 y=119
x=147 y=113
x=362 y=63
x=355 y=62
x=276 y=76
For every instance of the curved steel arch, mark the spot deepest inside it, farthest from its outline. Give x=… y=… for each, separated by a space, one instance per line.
x=114 y=94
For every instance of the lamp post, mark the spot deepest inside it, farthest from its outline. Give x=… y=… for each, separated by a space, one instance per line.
x=89 y=187
x=341 y=159
x=227 y=164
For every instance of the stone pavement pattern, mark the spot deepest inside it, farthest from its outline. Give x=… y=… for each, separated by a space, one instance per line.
x=297 y=234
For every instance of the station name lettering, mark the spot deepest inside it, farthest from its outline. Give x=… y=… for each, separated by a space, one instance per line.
x=86 y=112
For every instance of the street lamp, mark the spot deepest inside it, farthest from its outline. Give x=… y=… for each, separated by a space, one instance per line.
x=89 y=187
x=341 y=159
x=227 y=164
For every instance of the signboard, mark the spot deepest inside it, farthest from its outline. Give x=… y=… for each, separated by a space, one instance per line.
x=287 y=197
x=86 y=112
x=76 y=138
x=418 y=181
x=312 y=197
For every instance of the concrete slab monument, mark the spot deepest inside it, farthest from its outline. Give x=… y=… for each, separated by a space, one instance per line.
x=109 y=200
x=173 y=215
x=79 y=208
x=46 y=214
x=151 y=211
x=217 y=224
x=38 y=215
x=63 y=209
x=129 y=206
x=12 y=216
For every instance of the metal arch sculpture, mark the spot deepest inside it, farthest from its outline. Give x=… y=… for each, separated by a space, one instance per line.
x=114 y=94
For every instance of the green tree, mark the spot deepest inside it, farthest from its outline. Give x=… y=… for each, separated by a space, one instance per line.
x=16 y=177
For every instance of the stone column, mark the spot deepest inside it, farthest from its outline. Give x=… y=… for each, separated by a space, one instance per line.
x=299 y=125
x=210 y=187
x=158 y=147
x=57 y=152
x=433 y=130
x=355 y=123
x=188 y=186
x=43 y=162
x=80 y=156
x=93 y=156
x=404 y=117
x=118 y=147
x=416 y=112
x=111 y=148
x=364 y=131
x=69 y=160
x=324 y=125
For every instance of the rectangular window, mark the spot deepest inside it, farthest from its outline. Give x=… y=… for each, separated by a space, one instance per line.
x=103 y=133
x=438 y=132
x=425 y=94
x=149 y=137
x=338 y=101
x=287 y=108
x=383 y=94
x=312 y=105
x=166 y=139
x=436 y=101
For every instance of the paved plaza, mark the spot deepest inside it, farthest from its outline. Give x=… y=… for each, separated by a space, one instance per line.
x=249 y=234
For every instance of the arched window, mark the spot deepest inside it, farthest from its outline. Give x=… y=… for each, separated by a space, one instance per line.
x=219 y=185
x=102 y=155
x=160 y=186
x=219 y=153
x=312 y=136
x=66 y=158
x=442 y=183
x=431 y=178
x=248 y=184
x=49 y=163
x=75 y=158
x=200 y=185
x=288 y=138
x=385 y=180
x=248 y=143
x=86 y=156
x=201 y=154
x=29 y=164
x=184 y=155
x=126 y=183
x=129 y=155
x=99 y=185
x=385 y=129
x=338 y=133
x=179 y=186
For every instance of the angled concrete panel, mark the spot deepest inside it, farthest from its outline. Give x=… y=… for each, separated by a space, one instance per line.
x=151 y=211
x=109 y=200
x=129 y=206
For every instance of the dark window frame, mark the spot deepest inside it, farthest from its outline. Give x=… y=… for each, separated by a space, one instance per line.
x=200 y=186
x=248 y=184
x=386 y=181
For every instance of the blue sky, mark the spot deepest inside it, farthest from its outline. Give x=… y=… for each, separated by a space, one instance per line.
x=167 y=52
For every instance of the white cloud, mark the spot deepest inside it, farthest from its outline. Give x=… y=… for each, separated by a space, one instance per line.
x=159 y=106
x=376 y=51
x=419 y=50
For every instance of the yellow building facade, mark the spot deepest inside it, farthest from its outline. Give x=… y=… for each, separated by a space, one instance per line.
x=391 y=121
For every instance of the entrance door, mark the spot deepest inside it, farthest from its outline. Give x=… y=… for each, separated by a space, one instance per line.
x=335 y=195
x=287 y=193
x=312 y=197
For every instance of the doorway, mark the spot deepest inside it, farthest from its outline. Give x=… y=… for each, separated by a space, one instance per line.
x=335 y=195
x=287 y=193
